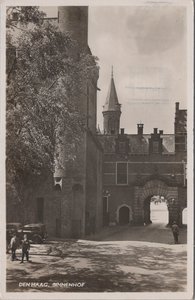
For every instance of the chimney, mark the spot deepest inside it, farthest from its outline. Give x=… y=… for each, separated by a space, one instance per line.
x=177 y=106
x=161 y=132
x=155 y=130
x=122 y=131
x=140 y=128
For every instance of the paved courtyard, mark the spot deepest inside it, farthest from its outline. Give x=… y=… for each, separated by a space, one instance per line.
x=123 y=259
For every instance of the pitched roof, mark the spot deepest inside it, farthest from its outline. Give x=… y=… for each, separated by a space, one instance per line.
x=138 y=145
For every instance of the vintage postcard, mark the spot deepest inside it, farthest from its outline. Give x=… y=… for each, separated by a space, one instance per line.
x=97 y=149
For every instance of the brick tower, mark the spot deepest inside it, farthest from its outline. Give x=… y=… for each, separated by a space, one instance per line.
x=78 y=184
x=74 y=19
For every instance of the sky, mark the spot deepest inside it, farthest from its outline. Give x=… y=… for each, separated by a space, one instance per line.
x=147 y=48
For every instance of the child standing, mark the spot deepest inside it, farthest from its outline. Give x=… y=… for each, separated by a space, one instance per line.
x=25 y=248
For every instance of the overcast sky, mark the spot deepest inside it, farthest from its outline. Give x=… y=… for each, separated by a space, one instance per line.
x=147 y=48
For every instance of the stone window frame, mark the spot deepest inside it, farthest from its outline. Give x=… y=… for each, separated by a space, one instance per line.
x=122 y=162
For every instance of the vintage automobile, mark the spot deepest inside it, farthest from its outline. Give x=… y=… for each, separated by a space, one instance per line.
x=36 y=233
x=13 y=228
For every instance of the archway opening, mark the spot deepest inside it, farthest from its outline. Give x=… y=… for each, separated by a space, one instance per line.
x=184 y=217
x=124 y=215
x=156 y=210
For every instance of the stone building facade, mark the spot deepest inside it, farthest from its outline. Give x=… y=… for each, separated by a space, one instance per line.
x=139 y=166
x=115 y=174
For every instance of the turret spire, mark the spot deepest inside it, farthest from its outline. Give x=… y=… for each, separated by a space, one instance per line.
x=112 y=109
x=112 y=73
x=112 y=103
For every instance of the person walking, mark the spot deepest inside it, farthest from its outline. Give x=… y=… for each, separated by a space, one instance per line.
x=25 y=248
x=175 y=230
x=8 y=240
x=14 y=246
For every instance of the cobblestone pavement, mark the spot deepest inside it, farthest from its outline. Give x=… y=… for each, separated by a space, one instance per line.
x=112 y=262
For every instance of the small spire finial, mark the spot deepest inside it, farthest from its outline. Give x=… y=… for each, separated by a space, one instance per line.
x=112 y=72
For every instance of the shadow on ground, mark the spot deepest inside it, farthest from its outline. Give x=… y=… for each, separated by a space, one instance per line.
x=104 y=267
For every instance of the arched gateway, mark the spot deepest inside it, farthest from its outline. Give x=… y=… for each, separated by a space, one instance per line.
x=155 y=187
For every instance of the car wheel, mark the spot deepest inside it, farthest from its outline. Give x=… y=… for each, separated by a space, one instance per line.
x=37 y=239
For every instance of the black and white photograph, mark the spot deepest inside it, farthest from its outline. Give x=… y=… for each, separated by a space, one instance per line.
x=98 y=150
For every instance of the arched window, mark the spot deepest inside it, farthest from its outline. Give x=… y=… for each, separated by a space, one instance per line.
x=111 y=126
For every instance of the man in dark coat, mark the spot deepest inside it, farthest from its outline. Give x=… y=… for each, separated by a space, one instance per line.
x=25 y=248
x=175 y=230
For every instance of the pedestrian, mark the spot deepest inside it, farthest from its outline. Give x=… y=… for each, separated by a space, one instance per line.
x=8 y=239
x=25 y=248
x=14 y=246
x=175 y=230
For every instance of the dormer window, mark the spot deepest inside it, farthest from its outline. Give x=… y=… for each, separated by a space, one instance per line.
x=122 y=143
x=155 y=147
x=156 y=142
x=122 y=147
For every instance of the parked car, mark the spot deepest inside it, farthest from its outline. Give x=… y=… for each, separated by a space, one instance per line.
x=36 y=233
x=11 y=229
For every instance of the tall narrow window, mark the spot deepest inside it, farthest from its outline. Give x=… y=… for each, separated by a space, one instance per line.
x=121 y=177
x=111 y=126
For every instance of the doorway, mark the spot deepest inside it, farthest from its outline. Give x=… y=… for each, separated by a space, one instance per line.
x=124 y=215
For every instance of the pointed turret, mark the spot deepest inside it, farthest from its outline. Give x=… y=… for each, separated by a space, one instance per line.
x=111 y=110
x=111 y=103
